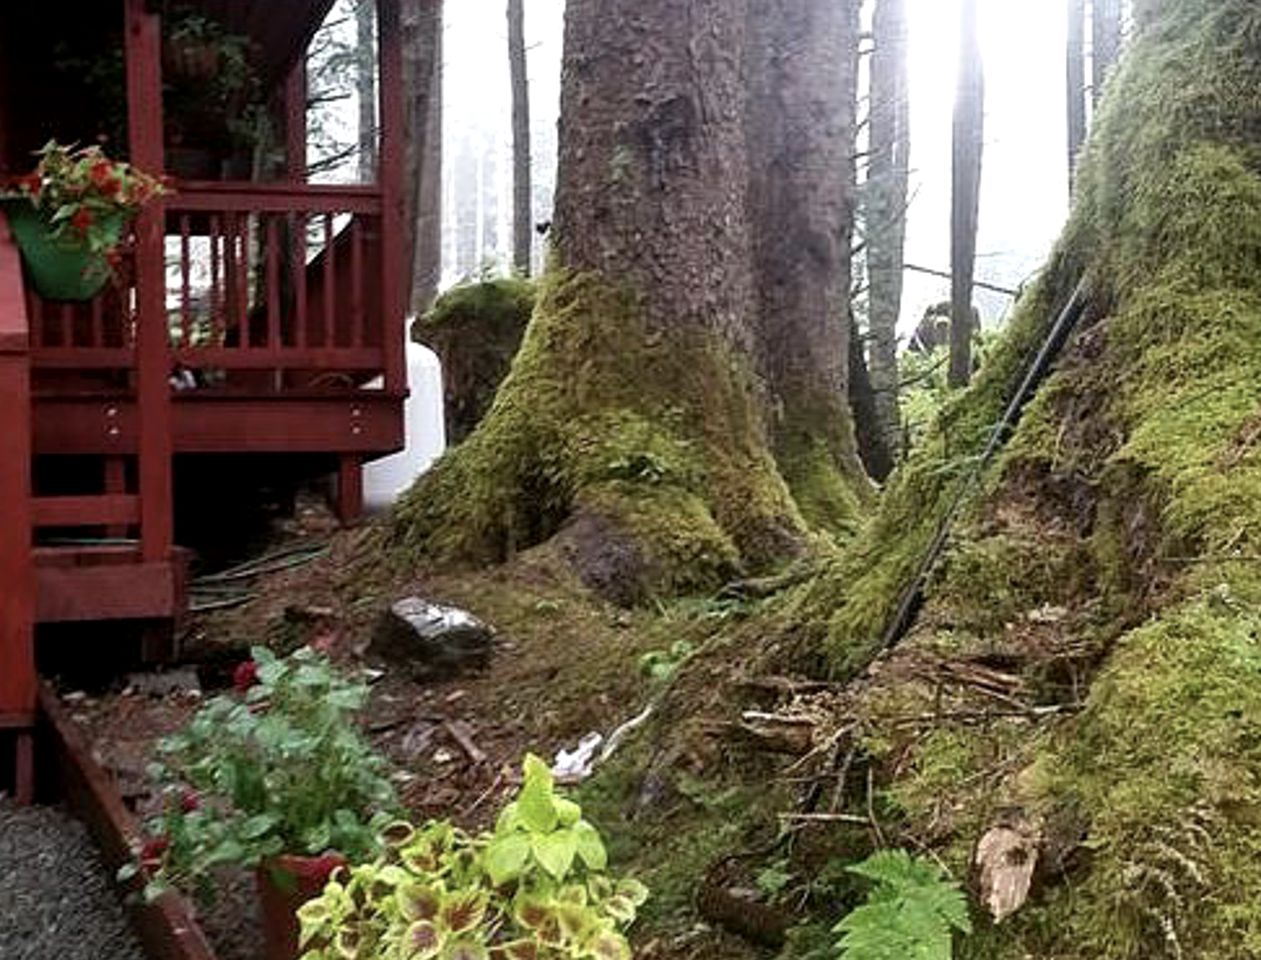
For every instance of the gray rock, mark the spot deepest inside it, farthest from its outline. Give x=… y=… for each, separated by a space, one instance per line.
x=431 y=640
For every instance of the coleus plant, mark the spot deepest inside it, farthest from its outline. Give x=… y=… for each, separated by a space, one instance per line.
x=278 y=767
x=536 y=888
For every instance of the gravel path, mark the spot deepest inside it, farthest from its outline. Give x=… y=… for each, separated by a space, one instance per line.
x=57 y=901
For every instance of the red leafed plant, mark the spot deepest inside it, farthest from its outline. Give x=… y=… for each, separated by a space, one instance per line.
x=84 y=195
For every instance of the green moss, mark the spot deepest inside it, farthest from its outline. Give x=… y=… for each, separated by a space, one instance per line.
x=476 y=329
x=652 y=436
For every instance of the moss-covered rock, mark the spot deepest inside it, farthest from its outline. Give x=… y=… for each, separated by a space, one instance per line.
x=475 y=329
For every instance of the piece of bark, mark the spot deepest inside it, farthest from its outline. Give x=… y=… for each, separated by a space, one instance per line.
x=1006 y=857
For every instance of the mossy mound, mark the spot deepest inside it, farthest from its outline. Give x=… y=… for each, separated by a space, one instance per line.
x=475 y=329
x=644 y=448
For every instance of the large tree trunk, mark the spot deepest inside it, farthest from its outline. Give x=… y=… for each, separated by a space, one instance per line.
x=969 y=128
x=803 y=68
x=636 y=426
x=522 y=207
x=887 y=182
x=1075 y=85
x=421 y=22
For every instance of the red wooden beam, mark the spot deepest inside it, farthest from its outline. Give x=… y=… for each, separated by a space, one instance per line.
x=86 y=511
x=394 y=279
x=17 y=578
x=144 y=120
x=112 y=591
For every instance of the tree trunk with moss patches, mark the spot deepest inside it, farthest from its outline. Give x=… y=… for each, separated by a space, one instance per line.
x=522 y=228
x=421 y=22
x=887 y=184
x=803 y=70
x=366 y=88
x=634 y=431
x=969 y=125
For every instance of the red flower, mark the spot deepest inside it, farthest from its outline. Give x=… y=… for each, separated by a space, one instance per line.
x=112 y=188
x=151 y=852
x=190 y=801
x=245 y=675
x=82 y=219
x=101 y=172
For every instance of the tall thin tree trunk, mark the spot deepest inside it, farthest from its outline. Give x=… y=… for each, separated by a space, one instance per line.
x=522 y=208
x=969 y=132
x=421 y=22
x=1075 y=87
x=887 y=185
x=1106 y=42
x=366 y=88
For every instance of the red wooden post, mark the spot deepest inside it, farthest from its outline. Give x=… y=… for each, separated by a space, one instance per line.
x=349 y=506
x=17 y=573
x=394 y=278
x=153 y=392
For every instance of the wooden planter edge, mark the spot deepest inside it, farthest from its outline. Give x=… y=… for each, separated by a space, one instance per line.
x=166 y=928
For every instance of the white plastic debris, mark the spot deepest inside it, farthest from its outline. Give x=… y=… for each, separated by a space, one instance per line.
x=577 y=764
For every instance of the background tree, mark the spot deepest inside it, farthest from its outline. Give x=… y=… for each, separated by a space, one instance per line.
x=1076 y=85
x=366 y=87
x=637 y=431
x=421 y=23
x=1105 y=20
x=522 y=195
x=969 y=132
x=887 y=182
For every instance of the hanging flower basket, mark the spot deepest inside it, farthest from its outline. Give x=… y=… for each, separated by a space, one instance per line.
x=68 y=218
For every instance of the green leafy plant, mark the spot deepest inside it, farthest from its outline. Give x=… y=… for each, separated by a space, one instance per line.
x=912 y=912
x=279 y=768
x=660 y=666
x=535 y=888
x=84 y=196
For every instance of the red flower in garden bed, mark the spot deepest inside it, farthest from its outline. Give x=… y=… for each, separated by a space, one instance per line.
x=245 y=675
x=151 y=853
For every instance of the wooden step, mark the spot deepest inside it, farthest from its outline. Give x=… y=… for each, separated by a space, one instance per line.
x=107 y=582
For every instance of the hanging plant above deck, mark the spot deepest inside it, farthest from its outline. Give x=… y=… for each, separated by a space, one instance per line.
x=68 y=216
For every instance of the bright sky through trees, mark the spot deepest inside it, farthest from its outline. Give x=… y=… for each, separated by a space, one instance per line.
x=1025 y=193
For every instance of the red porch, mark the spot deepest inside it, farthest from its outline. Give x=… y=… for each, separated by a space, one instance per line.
x=246 y=317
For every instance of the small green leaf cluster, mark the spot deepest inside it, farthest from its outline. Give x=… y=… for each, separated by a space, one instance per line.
x=660 y=666
x=534 y=889
x=281 y=770
x=912 y=912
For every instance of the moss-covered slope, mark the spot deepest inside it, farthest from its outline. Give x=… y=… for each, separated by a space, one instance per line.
x=1110 y=559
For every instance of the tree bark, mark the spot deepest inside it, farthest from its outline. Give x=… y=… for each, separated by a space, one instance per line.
x=969 y=126
x=421 y=22
x=802 y=96
x=1106 y=43
x=887 y=185
x=634 y=433
x=522 y=194
x=1075 y=86
x=366 y=88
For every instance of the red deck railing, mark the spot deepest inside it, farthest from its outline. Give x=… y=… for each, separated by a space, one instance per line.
x=281 y=278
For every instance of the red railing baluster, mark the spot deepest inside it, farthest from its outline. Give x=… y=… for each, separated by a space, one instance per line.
x=65 y=325
x=186 y=308
x=217 y=300
x=297 y=234
x=357 y=338
x=330 y=288
x=272 y=255
x=98 y=320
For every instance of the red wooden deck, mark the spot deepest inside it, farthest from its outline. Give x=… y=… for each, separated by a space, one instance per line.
x=244 y=318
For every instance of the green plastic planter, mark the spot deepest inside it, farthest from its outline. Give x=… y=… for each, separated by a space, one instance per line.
x=59 y=269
